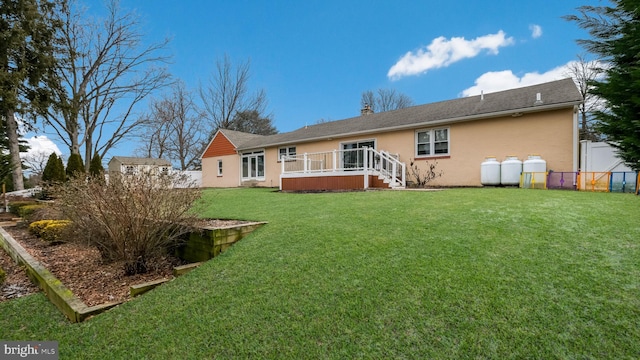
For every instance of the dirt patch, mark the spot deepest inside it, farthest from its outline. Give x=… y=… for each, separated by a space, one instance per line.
x=80 y=268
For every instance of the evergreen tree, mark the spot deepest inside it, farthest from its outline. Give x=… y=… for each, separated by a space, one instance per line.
x=615 y=32
x=54 y=170
x=75 y=166
x=95 y=167
x=6 y=163
x=250 y=121
x=27 y=30
x=60 y=173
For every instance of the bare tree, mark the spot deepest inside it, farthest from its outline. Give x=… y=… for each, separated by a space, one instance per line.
x=173 y=128
x=385 y=100
x=105 y=73
x=584 y=72
x=36 y=161
x=227 y=93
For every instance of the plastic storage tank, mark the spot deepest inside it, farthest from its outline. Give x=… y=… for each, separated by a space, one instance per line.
x=490 y=171
x=510 y=171
x=535 y=171
x=534 y=164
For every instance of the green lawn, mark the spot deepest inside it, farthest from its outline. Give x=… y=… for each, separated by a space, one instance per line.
x=460 y=273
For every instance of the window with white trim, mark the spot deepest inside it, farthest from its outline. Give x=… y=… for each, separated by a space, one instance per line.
x=432 y=142
x=286 y=151
x=253 y=165
x=219 y=167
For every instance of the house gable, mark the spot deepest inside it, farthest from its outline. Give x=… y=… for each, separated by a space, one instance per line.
x=219 y=146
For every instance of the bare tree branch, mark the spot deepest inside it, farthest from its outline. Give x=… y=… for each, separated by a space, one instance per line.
x=106 y=71
x=584 y=72
x=227 y=93
x=385 y=100
x=173 y=129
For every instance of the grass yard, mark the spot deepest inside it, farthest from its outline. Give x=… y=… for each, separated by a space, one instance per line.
x=461 y=273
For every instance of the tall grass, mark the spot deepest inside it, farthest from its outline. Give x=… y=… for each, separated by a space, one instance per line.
x=464 y=273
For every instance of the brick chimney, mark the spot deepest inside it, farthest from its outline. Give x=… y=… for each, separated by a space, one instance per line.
x=366 y=110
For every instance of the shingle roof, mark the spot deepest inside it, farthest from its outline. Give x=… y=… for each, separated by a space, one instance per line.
x=238 y=138
x=140 y=161
x=555 y=94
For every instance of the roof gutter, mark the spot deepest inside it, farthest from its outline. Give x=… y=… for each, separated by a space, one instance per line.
x=511 y=112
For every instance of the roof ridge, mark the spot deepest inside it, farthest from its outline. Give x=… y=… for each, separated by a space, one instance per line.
x=557 y=93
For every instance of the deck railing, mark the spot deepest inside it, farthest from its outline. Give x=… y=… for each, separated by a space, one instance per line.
x=368 y=160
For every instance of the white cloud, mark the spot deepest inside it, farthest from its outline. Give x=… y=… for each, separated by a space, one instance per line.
x=502 y=80
x=443 y=52
x=536 y=31
x=40 y=145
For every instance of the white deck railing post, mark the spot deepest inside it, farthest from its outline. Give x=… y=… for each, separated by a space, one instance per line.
x=305 y=166
x=394 y=171
x=335 y=163
x=365 y=163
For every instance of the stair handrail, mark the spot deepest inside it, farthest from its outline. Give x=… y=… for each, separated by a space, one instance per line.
x=388 y=166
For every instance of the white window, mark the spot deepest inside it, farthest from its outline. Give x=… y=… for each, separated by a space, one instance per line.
x=219 y=167
x=129 y=170
x=432 y=142
x=253 y=165
x=286 y=151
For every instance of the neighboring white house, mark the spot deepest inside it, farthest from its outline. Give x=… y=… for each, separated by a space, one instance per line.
x=135 y=165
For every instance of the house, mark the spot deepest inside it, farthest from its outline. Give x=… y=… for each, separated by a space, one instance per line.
x=135 y=165
x=376 y=149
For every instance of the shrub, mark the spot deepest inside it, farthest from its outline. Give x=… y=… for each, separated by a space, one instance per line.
x=50 y=230
x=44 y=211
x=15 y=206
x=3 y=276
x=422 y=178
x=95 y=167
x=56 y=231
x=37 y=227
x=136 y=218
x=28 y=210
x=54 y=170
x=75 y=166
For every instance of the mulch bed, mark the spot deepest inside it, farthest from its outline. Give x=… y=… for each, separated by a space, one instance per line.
x=80 y=268
x=17 y=284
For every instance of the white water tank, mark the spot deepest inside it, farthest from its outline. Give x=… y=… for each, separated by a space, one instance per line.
x=534 y=163
x=490 y=171
x=510 y=171
x=535 y=172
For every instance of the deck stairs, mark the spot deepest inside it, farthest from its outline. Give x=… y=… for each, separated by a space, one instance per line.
x=388 y=168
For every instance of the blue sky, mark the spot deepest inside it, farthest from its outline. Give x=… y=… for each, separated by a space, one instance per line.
x=315 y=58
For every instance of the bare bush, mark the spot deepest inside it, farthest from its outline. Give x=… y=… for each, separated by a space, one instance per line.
x=133 y=218
x=426 y=176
